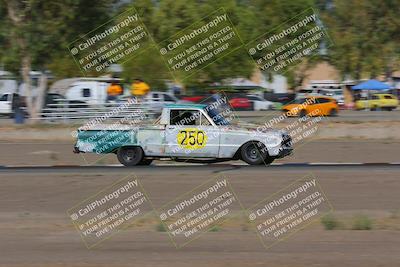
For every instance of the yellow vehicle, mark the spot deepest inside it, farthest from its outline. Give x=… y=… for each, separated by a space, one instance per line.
x=312 y=106
x=378 y=101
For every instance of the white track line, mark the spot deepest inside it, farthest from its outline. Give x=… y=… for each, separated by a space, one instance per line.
x=222 y=164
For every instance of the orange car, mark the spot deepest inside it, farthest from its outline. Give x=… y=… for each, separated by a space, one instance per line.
x=312 y=106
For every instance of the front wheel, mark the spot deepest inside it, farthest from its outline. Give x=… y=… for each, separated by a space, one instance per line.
x=253 y=153
x=130 y=156
x=333 y=112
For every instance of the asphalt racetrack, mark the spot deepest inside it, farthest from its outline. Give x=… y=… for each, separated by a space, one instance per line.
x=35 y=229
x=41 y=181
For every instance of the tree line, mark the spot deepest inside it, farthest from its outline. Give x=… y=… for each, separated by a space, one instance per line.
x=34 y=34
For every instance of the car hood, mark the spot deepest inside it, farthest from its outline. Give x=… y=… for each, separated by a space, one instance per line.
x=290 y=106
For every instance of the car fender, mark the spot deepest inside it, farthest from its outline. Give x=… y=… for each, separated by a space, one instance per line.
x=231 y=142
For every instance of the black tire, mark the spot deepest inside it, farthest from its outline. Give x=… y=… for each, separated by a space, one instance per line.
x=333 y=112
x=373 y=108
x=145 y=162
x=302 y=113
x=130 y=156
x=253 y=153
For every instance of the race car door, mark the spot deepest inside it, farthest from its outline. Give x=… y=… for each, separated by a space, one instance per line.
x=191 y=134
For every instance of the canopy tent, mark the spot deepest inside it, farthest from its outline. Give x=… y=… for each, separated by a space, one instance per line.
x=371 y=85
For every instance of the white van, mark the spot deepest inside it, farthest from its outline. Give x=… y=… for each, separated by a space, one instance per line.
x=91 y=91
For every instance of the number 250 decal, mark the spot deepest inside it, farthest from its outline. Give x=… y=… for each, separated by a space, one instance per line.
x=191 y=138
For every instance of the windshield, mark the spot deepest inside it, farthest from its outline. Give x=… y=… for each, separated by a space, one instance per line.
x=299 y=101
x=219 y=109
x=217 y=116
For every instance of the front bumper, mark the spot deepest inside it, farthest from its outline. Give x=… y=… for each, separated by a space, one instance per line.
x=286 y=148
x=283 y=152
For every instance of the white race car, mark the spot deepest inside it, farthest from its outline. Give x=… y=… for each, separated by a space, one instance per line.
x=189 y=132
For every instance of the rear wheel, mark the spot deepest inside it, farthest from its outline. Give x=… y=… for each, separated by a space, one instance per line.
x=333 y=112
x=253 y=153
x=130 y=156
x=302 y=113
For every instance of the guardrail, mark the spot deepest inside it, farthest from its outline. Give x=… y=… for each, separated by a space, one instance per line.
x=67 y=112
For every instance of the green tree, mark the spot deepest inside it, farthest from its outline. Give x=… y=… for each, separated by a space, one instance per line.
x=366 y=37
x=39 y=31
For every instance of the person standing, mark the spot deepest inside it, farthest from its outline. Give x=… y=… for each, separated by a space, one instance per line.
x=139 y=88
x=17 y=109
x=113 y=91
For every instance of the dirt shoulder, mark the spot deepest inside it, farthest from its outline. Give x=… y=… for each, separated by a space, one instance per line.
x=325 y=130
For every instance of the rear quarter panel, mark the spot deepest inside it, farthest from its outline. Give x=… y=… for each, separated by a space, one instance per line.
x=105 y=141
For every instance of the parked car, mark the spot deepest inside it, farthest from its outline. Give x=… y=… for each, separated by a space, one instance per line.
x=157 y=100
x=54 y=101
x=312 y=106
x=259 y=103
x=240 y=103
x=336 y=94
x=193 y=99
x=7 y=103
x=162 y=97
x=283 y=98
x=303 y=93
x=378 y=101
x=191 y=132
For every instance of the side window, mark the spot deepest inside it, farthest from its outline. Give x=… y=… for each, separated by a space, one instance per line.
x=185 y=117
x=205 y=121
x=374 y=97
x=323 y=100
x=86 y=92
x=388 y=97
x=155 y=97
x=4 y=97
